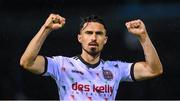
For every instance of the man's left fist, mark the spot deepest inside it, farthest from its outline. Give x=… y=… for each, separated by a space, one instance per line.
x=136 y=27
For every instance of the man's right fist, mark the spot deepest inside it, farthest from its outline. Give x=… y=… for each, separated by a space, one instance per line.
x=54 y=21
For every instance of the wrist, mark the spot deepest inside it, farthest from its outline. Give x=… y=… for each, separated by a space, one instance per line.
x=143 y=37
x=46 y=28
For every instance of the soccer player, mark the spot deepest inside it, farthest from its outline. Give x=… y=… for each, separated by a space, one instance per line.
x=87 y=76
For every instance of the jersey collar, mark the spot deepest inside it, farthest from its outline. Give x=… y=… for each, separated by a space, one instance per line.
x=88 y=64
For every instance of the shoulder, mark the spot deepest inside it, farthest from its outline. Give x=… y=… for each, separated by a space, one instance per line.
x=116 y=63
x=61 y=57
x=65 y=58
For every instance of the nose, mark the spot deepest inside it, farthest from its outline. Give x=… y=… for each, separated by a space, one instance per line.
x=93 y=37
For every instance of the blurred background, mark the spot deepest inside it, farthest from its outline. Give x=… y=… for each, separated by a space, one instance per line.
x=20 y=20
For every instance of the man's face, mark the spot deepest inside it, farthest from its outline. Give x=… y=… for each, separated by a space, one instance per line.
x=92 y=37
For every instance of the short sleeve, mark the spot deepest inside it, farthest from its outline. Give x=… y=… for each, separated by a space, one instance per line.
x=52 y=66
x=126 y=71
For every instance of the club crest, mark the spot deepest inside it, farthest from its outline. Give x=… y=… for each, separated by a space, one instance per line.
x=107 y=74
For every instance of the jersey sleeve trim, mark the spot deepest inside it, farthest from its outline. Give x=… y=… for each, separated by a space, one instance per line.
x=45 y=67
x=132 y=72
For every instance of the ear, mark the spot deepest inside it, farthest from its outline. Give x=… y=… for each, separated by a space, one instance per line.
x=79 y=38
x=105 y=40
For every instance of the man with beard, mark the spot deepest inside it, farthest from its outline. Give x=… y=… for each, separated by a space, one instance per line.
x=87 y=76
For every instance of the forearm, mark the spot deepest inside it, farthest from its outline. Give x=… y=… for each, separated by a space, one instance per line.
x=34 y=47
x=151 y=56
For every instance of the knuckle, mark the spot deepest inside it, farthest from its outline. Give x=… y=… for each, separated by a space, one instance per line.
x=51 y=14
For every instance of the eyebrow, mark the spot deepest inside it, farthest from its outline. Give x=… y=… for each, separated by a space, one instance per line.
x=97 y=32
x=89 y=32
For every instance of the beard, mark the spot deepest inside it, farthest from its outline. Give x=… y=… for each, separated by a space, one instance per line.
x=92 y=52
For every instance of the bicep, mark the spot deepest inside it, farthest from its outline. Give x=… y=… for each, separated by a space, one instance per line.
x=38 y=65
x=142 y=71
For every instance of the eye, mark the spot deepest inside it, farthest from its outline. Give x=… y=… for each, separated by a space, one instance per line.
x=99 y=33
x=89 y=32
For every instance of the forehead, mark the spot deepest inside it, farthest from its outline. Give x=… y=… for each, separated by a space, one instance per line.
x=93 y=26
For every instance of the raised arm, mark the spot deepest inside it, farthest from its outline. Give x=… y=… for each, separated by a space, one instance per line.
x=30 y=60
x=152 y=66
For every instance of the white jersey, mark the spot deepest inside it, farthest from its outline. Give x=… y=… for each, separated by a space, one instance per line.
x=78 y=80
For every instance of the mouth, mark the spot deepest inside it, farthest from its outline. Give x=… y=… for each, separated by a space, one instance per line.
x=93 y=44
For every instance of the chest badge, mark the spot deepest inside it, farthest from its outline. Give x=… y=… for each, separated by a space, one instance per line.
x=107 y=74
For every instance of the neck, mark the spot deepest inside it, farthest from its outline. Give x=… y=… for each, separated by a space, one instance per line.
x=91 y=59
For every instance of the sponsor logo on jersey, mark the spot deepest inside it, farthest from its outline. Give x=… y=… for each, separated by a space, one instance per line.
x=107 y=74
x=76 y=71
x=94 y=88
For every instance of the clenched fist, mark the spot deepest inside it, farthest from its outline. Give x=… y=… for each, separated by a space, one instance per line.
x=137 y=28
x=54 y=21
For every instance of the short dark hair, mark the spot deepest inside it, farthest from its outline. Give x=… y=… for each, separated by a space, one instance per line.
x=92 y=18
